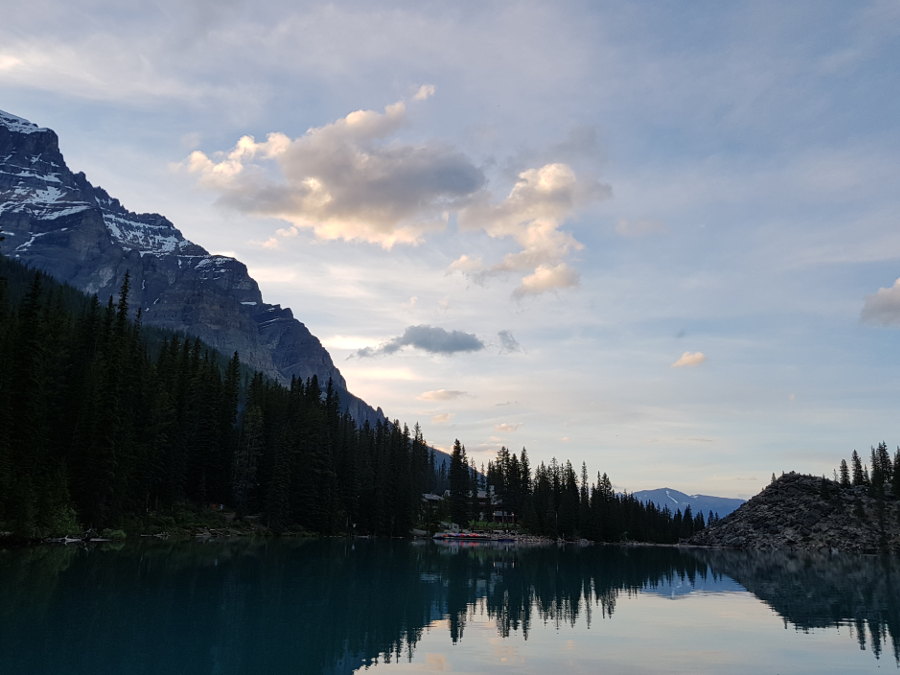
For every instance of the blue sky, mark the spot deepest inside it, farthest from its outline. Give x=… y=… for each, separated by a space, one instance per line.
x=657 y=237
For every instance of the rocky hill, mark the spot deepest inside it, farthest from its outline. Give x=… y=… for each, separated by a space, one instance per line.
x=809 y=513
x=55 y=220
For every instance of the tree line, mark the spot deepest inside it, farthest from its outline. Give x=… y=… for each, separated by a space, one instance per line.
x=104 y=422
x=881 y=475
x=553 y=501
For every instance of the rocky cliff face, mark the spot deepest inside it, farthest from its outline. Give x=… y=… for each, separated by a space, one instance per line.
x=810 y=514
x=55 y=220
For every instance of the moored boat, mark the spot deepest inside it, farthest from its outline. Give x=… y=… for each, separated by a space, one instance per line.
x=461 y=536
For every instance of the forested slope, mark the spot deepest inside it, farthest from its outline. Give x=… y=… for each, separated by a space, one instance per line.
x=97 y=428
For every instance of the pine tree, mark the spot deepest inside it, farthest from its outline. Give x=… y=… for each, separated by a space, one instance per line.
x=844 y=474
x=884 y=462
x=459 y=485
x=687 y=523
x=584 y=499
x=699 y=522
x=877 y=478
x=567 y=523
x=895 y=482
x=858 y=475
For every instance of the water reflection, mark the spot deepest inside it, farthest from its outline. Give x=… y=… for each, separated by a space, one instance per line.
x=813 y=591
x=558 y=585
x=336 y=606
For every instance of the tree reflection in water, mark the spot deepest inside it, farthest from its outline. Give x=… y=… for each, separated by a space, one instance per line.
x=336 y=605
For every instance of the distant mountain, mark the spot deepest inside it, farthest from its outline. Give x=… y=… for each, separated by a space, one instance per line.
x=56 y=221
x=675 y=500
x=682 y=586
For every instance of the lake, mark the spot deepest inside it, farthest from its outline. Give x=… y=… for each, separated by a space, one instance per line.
x=344 y=606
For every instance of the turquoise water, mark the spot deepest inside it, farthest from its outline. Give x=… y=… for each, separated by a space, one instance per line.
x=344 y=606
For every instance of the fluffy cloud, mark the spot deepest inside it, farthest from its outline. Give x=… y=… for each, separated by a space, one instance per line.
x=506 y=428
x=690 y=360
x=883 y=307
x=440 y=395
x=426 y=91
x=442 y=418
x=546 y=278
x=532 y=215
x=345 y=180
x=352 y=180
x=431 y=339
x=7 y=62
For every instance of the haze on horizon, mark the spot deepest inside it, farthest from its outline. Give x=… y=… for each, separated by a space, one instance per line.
x=661 y=239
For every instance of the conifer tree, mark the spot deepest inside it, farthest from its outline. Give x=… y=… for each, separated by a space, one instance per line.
x=844 y=474
x=459 y=485
x=895 y=482
x=877 y=478
x=884 y=462
x=858 y=475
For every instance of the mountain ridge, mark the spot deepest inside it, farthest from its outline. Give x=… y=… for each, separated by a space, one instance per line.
x=677 y=500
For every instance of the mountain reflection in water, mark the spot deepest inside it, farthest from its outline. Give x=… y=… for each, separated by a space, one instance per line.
x=337 y=605
x=811 y=590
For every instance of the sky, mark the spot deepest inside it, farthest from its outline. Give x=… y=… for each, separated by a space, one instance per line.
x=660 y=238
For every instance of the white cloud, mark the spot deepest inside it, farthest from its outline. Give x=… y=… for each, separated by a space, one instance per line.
x=546 y=278
x=8 y=62
x=505 y=427
x=690 y=360
x=532 y=216
x=353 y=180
x=440 y=395
x=103 y=67
x=466 y=264
x=345 y=180
x=424 y=92
x=883 y=307
x=442 y=418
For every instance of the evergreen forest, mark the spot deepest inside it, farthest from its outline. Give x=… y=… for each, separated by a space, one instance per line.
x=105 y=423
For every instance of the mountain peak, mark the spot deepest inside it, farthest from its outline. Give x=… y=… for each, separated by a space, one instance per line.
x=18 y=124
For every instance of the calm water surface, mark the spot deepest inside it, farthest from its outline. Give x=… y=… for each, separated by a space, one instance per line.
x=343 y=606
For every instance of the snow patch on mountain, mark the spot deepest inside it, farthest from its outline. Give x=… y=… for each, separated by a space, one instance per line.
x=155 y=238
x=18 y=124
